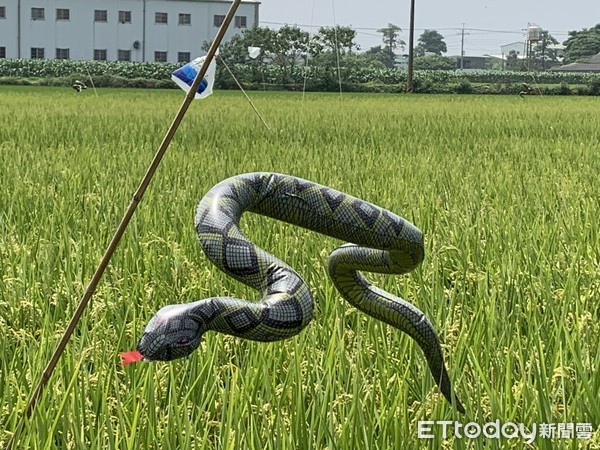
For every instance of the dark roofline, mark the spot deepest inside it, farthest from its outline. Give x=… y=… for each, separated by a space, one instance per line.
x=591 y=65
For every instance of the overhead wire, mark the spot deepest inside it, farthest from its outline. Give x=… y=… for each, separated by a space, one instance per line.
x=478 y=35
x=337 y=47
x=306 y=70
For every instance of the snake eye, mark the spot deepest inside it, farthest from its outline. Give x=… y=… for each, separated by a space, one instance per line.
x=183 y=340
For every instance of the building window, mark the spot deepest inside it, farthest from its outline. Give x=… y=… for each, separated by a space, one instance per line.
x=62 y=53
x=183 y=57
x=160 y=17
x=124 y=55
x=37 y=53
x=185 y=19
x=125 y=16
x=100 y=15
x=160 y=56
x=2 y=12
x=62 y=14
x=2 y=52
x=240 y=21
x=99 y=54
x=218 y=20
x=37 y=14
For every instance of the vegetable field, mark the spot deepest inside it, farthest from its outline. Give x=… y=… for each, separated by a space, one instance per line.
x=505 y=189
x=353 y=77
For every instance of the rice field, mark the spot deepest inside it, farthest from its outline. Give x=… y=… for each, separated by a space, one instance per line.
x=505 y=189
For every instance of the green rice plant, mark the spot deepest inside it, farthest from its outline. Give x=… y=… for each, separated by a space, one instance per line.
x=505 y=191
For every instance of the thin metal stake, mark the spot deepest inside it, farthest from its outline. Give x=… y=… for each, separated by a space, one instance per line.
x=245 y=95
x=37 y=392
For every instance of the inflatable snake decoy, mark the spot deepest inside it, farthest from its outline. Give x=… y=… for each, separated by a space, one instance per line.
x=381 y=242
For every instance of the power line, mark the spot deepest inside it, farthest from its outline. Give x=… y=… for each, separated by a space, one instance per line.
x=519 y=31
x=485 y=37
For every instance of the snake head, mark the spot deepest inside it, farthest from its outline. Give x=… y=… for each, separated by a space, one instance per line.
x=172 y=333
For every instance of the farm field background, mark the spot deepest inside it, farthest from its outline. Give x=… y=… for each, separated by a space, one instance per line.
x=505 y=189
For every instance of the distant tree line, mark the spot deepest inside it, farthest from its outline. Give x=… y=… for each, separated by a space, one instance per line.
x=334 y=47
x=582 y=44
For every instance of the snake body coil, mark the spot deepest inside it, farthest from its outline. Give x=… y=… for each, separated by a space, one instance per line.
x=381 y=242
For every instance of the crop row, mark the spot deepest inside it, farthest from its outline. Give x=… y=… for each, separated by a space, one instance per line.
x=272 y=74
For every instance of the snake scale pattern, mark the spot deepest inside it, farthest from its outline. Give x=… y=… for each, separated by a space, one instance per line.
x=380 y=242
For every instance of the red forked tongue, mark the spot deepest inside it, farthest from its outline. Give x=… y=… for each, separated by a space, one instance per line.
x=130 y=357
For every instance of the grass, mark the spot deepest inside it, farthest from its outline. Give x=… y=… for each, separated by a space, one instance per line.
x=505 y=189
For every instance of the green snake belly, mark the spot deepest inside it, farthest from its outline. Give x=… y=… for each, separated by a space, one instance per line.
x=380 y=242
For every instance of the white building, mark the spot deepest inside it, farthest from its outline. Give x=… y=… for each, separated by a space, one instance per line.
x=126 y=30
x=518 y=47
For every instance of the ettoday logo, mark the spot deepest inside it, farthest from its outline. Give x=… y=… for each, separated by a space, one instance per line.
x=429 y=429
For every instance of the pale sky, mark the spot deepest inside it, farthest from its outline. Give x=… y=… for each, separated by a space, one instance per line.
x=489 y=23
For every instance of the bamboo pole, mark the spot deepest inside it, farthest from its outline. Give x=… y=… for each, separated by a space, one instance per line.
x=137 y=196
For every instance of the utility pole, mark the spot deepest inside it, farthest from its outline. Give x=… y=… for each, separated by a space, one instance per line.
x=544 y=37
x=411 y=40
x=462 y=47
x=19 y=29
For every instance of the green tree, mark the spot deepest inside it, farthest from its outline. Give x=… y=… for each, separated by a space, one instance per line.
x=390 y=37
x=434 y=62
x=236 y=50
x=430 y=41
x=543 y=56
x=513 y=62
x=282 y=47
x=291 y=43
x=290 y=46
x=338 y=39
x=581 y=45
x=391 y=41
x=382 y=55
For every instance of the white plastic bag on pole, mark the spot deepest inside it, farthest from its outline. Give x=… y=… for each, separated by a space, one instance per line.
x=185 y=75
x=254 y=52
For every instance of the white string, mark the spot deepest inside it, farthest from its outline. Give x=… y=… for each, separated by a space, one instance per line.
x=245 y=95
x=310 y=32
x=91 y=81
x=536 y=83
x=337 y=53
